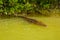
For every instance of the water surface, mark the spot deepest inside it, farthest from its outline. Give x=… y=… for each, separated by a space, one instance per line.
x=18 y=29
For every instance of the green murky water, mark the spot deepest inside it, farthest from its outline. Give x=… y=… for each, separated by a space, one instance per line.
x=18 y=29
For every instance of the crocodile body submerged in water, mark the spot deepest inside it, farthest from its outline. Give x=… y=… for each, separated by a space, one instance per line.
x=28 y=20
x=33 y=21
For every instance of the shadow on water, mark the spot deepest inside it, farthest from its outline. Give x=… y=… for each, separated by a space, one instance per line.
x=6 y=16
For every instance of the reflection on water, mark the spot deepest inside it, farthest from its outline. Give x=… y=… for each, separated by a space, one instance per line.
x=18 y=29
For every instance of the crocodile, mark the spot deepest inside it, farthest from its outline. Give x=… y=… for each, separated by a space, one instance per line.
x=33 y=21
